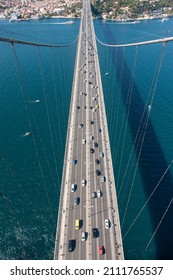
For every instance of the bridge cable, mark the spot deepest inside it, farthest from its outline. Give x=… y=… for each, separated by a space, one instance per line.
x=30 y=126
x=118 y=101
x=148 y=244
x=112 y=114
x=56 y=99
x=162 y=40
x=16 y=41
x=144 y=129
x=139 y=127
x=148 y=199
x=126 y=114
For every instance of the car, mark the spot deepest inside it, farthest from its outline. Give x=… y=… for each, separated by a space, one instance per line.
x=85 y=107
x=81 y=93
x=95 y=232
x=99 y=130
x=93 y=194
x=91 y=107
x=78 y=107
x=74 y=161
x=81 y=125
x=83 y=182
x=103 y=179
x=77 y=224
x=91 y=137
x=101 y=154
x=91 y=122
x=97 y=161
x=91 y=150
x=99 y=193
x=76 y=200
x=73 y=187
x=107 y=223
x=96 y=145
x=83 y=237
x=98 y=172
x=83 y=141
x=71 y=245
x=101 y=250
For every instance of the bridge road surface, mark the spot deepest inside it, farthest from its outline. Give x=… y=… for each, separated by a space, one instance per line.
x=87 y=95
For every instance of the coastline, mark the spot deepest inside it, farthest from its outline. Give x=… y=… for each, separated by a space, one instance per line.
x=134 y=20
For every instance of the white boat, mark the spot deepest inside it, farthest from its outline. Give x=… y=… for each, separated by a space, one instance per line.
x=36 y=101
x=165 y=19
x=106 y=74
x=27 y=134
x=149 y=108
x=12 y=20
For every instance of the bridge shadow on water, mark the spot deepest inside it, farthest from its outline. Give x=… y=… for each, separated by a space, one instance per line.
x=152 y=170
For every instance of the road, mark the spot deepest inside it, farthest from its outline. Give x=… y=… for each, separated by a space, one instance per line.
x=87 y=129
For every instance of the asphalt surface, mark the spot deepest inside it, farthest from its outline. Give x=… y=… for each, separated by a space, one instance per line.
x=87 y=109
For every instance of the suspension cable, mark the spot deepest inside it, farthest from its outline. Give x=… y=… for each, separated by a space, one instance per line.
x=140 y=124
x=145 y=129
x=162 y=40
x=146 y=202
x=30 y=126
x=118 y=99
x=15 y=41
x=159 y=224
x=126 y=112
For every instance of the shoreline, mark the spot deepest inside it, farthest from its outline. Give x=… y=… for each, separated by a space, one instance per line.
x=135 y=20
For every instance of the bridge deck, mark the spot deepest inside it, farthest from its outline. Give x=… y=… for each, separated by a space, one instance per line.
x=87 y=105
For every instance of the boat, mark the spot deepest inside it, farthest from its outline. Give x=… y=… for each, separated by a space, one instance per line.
x=36 y=101
x=165 y=19
x=149 y=108
x=27 y=134
x=12 y=20
x=13 y=17
x=106 y=74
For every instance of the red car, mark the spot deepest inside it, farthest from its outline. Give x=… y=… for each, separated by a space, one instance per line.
x=101 y=250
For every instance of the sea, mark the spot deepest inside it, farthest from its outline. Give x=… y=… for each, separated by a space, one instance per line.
x=35 y=94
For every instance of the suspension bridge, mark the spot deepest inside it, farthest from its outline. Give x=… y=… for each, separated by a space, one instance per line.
x=88 y=224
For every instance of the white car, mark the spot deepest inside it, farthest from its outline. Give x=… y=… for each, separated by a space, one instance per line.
x=73 y=188
x=101 y=154
x=103 y=179
x=107 y=223
x=91 y=137
x=99 y=193
x=83 y=141
x=81 y=125
x=83 y=182
x=83 y=237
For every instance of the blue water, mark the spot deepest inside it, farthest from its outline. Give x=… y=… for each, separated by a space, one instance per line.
x=31 y=166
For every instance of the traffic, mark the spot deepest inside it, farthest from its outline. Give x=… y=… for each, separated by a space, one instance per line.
x=89 y=213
